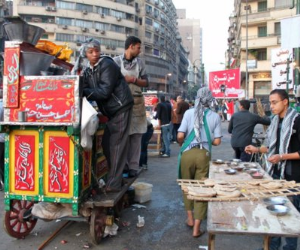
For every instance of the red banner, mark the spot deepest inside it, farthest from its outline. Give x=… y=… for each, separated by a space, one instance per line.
x=58 y=169
x=11 y=72
x=225 y=83
x=46 y=100
x=25 y=162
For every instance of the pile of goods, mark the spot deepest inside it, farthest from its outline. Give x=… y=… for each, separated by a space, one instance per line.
x=217 y=190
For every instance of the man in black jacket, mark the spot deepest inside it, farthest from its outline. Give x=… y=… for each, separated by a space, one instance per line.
x=105 y=84
x=241 y=126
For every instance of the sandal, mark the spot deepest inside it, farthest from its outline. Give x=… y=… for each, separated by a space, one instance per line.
x=199 y=234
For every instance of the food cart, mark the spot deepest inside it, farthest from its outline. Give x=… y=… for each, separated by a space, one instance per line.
x=44 y=161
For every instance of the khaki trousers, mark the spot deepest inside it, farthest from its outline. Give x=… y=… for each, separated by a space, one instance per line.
x=195 y=166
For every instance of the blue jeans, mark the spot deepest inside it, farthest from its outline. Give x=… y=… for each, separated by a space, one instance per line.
x=291 y=242
x=144 y=146
x=165 y=132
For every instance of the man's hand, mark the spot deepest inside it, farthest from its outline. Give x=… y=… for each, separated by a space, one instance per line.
x=157 y=127
x=274 y=159
x=130 y=79
x=251 y=149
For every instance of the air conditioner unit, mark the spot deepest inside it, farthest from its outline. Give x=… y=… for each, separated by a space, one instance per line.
x=36 y=19
x=102 y=15
x=148 y=11
x=65 y=27
x=137 y=10
x=156 y=2
x=163 y=7
x=119 y=18
x=279 y=40
x=53 y=8
x=51 y=21
x=113 y=47
x=157 y=30
x=102 y=32
x=107 y=46
x=84 y=12
x=48 y=8
x=84 y=29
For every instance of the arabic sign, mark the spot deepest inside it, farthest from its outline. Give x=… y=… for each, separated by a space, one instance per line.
x=11 y=76
x=279 y=68
x=25 y=164
x=47 y=99
x=225 y=83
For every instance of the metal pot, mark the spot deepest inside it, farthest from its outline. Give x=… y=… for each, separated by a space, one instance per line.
x=32 y=63
x=23 y=32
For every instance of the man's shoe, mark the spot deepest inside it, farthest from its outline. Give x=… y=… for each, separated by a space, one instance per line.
x=161 y=153
x=132 y=173
x=145 y=167
x=165 y=156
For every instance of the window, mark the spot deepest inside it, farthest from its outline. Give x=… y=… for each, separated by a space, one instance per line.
x=64 y=37
x=148 y=34
x=262 y=31
x=102 y=10
x=155 y=52
x=101 y=26
x=65 y=5
x=116 y=13
x=283 y=3
x=83 y=23
x=277 y=29
x=262 y=6
x=261 y=54
x=148 y=21
x=64 y=21
x=117 y=28
x=82 y=7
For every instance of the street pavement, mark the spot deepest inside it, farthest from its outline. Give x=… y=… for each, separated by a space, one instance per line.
x=164 y=217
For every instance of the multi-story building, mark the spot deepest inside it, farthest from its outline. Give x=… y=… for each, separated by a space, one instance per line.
x=111 y=21
x=191 y=33
x=255 y=28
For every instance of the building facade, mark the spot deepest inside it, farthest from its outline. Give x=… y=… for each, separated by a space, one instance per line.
x=254 y=32
x=112 y=21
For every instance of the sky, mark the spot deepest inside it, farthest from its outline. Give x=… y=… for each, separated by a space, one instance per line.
x=214 y=20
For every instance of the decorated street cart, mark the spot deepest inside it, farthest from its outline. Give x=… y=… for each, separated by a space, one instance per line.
x=44 y=161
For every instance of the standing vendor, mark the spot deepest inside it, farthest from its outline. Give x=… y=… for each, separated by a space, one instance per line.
x=105 y=84
x=134 y=71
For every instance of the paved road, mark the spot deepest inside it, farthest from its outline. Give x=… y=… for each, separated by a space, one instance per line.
x=164 y=218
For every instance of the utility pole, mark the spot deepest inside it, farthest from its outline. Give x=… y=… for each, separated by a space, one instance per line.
x=246 y=84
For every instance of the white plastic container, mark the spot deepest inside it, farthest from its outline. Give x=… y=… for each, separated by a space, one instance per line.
x=143 y=191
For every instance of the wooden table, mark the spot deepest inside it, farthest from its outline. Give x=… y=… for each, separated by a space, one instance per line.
x=247 y=217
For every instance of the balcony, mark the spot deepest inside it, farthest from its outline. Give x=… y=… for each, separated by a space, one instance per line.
x=261 y=66
x=260 y=42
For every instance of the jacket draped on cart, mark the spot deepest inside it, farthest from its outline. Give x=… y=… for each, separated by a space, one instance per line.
x=106 y=85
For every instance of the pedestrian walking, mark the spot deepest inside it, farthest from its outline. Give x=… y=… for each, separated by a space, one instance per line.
x=241 y=126
x=104 y=83
x=163 y=116
x=174 y=121
x=182 y=107
x=283 y=151
x=144 y=145
x=224 y=110
x=199 y=130
x=133 y=69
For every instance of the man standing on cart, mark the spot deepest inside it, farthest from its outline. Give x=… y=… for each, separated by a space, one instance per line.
x=283 y=151
x=105 y=84
x=133 y=69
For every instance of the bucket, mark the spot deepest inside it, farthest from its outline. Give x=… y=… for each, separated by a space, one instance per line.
x=143 y=191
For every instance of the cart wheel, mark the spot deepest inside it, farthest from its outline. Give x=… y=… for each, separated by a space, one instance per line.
x=119 y=207
x=97 y=224
x=18 y=222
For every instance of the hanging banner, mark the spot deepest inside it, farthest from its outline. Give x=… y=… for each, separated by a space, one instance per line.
x=279 y=68
x=225 y=84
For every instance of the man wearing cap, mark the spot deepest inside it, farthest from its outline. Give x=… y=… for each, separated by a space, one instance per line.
x=133 y=69
x=105 y=84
